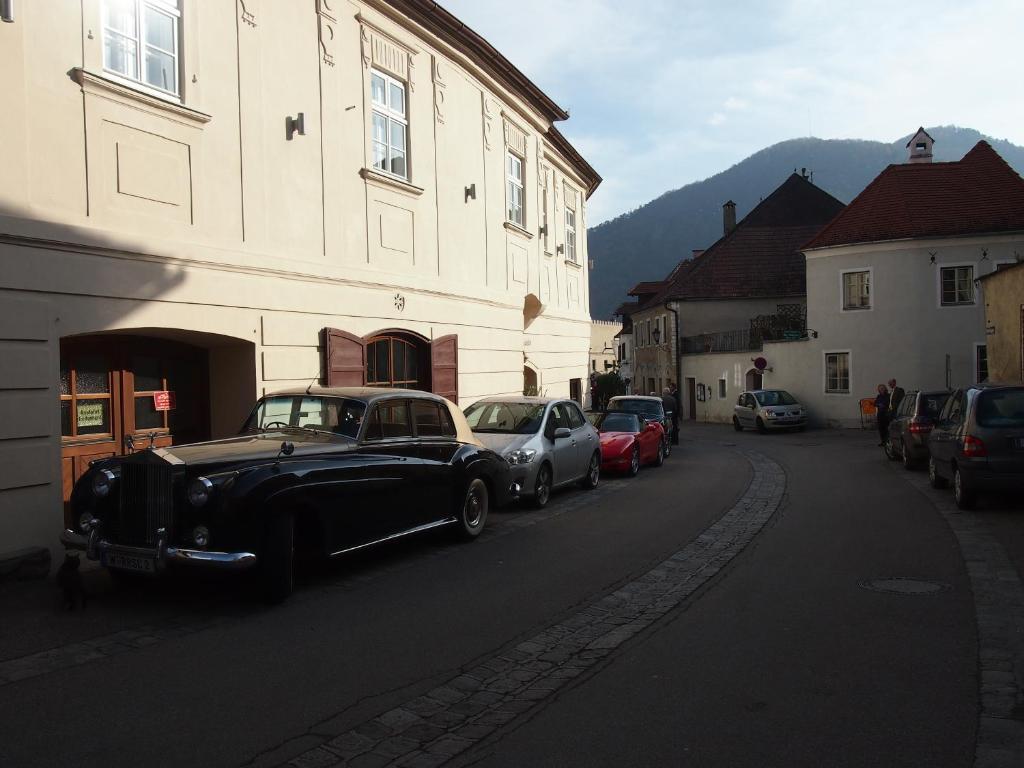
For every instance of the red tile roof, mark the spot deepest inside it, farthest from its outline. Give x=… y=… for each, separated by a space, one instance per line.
x=761 y=256
x=644 y=289
x=980 y=194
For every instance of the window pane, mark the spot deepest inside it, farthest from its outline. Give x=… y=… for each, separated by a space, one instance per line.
x=65 y=379
x=411 y=365
x=92 y=376
x=119 y=54
x=65 y=418
x=93 y=417
x=397 y=136
x=394 y=419
x=383 y=363
x=397 y=98
x=120 y=15
x=148 y=375
x=160 y=70
x=398 y=164
x=159 y=30
x=146 y=415
x=380 y=128
x=398 y=349
x=378 y=89
x=380 y=156
x=427 y=418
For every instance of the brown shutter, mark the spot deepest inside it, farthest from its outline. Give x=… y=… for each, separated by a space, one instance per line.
x=444 y=367
x=344 y=359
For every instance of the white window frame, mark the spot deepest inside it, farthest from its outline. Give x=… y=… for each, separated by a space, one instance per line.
x=871 y=289
x=515 y=184
x=570 y=235
x=391 y=116
x=170 y=8
x=974 y=363
x=849 y=372
x=974 y=289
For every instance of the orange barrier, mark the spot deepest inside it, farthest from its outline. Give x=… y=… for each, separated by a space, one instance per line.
x=867 y=412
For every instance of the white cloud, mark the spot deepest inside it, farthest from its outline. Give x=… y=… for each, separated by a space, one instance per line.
x=664 y=93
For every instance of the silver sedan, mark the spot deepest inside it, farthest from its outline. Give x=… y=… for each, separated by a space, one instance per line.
x=764 y=409
x=547 y=442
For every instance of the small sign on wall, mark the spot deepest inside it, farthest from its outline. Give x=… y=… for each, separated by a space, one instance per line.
x=163 y=401
x=91 y=413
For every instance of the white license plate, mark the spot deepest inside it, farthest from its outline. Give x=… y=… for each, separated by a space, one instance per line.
x=129 y=562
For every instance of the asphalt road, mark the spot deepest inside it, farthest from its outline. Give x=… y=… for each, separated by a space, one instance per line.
x=780 y=657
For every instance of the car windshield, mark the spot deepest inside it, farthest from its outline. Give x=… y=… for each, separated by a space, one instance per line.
x=931 y=405
x=507 y=418
x=649 y=409
x=617 y=422
x=1001 y=408
x=331 y=415
x=775 y=397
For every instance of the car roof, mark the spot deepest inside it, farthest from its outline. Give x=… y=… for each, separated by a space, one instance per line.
x=652 y=398
x=524 y=399
x=987 y=385
x=365 y=394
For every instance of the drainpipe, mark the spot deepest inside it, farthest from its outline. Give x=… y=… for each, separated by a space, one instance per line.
x=679 y=359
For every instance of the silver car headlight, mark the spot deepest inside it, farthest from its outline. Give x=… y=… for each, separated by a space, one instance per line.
x=102 y=483
x=199 y=491
x=523 y=456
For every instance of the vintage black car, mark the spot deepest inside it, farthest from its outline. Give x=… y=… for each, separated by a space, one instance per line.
x=314 y=472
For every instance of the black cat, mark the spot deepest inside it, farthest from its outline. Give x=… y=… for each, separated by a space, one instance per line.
x=69 y=579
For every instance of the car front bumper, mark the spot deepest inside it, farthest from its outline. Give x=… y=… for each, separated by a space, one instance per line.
x=525 y=476
x=786 y=423
x=98 y=548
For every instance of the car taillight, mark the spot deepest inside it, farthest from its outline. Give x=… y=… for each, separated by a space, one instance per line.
x=974 y=447
x=920 y=428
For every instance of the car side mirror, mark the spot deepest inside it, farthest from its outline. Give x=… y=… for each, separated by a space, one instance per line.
x=562 y=432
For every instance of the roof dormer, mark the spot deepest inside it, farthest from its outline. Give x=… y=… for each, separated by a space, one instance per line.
x=920 y=147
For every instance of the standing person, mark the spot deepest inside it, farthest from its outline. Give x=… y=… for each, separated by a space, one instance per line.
x=896 y=394
x=676 y=412
x=669 y=403
x=882 y=408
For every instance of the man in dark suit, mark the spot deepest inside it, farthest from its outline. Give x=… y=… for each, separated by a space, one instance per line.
x=895 y=396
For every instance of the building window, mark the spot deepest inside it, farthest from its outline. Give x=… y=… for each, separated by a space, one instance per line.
x=957 y=286
x=721 y=388
x=980 y=363
x=857 y=290
x=837 y=372
x=570 y=235
x=514 y=179
x=140 y=41
x=390 y=125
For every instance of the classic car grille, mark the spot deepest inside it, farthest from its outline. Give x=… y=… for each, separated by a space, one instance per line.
x=147 y=503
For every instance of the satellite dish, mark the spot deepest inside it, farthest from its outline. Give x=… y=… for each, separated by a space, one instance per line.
x=760 y=363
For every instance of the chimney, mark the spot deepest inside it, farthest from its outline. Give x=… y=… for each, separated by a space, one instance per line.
x=920 y=147
x=728 y=217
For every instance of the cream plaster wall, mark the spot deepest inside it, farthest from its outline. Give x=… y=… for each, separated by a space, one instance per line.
x=124 y=211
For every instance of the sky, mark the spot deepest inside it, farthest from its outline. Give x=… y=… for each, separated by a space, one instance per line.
x=662 y=93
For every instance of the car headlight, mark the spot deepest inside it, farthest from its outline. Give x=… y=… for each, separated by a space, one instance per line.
x=201 y=535
x=199 y=491
x=102 y=482
x=87 y=522
x=521 y=456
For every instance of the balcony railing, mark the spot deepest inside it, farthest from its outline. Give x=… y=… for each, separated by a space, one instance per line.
x=723 y=341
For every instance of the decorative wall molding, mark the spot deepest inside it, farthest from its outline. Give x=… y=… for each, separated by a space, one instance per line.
x=248 y=8
x=490 y=110
x=327 y=39
x=386 y=53
x=439 y=88
x=515 y=138
x=100 y=85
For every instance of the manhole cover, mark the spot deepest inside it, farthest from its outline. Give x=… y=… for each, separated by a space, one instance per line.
x=904 y=585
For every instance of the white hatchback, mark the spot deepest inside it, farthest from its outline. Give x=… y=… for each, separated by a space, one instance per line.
x=765 y=409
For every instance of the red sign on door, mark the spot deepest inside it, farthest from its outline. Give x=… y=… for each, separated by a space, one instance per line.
x=163 y=401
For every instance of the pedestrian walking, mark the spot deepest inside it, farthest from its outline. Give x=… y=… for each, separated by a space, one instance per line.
x=882 y=409
x=896 y=394
x=676 y=410
x=671 y=410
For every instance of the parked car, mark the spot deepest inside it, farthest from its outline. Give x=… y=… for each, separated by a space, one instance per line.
x=765 y=409
x=627 y=442
x=910 y=426
x=315 y=471
x=546 y=441
x=978 y=442
x=648 y=408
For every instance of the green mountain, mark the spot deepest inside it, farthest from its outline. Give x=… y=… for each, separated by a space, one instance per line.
x=645 y=244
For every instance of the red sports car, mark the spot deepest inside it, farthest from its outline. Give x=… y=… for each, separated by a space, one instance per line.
x=627 y=441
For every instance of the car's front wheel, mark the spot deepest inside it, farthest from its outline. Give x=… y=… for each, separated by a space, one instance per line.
x=473 y=514
x=905 y=458
x=962 y=495
x=736 y=424
x=890 y=450
x=593 y=476
x=934 y=478
x=659 y=457
x=542 y=488
x=634 y=461
x=277 y=558
x=760 y=425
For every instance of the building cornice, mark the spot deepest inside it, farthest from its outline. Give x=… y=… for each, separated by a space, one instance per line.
x=909 y=243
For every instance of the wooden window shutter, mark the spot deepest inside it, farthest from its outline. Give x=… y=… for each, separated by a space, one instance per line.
x=344 y=359
x=444 y=367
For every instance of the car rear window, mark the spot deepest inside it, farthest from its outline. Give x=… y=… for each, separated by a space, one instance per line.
x=931 y=405
x=649 y=409
x=619 y=421
x=1001 y=408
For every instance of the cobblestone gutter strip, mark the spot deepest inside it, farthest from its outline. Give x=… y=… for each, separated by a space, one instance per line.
x=999 y=607
x=433 y=728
